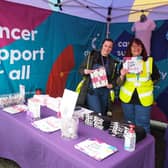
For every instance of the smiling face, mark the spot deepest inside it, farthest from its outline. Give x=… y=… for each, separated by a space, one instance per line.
x=136 y=49
x=106 y=48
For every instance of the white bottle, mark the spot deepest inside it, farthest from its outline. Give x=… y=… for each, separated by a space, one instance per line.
x=130 y=139
x=22 y=93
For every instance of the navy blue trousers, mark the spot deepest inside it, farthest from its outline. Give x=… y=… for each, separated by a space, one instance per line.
x=138 y=114
x=97 y=100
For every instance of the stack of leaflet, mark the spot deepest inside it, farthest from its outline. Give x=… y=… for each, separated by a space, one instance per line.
x=89 y=119
x=11 y=100
x=97 y=121
x=102 y=122
x=117 y=129
x=81 y=112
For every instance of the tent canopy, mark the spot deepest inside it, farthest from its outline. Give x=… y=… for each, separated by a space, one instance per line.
x=114 y=11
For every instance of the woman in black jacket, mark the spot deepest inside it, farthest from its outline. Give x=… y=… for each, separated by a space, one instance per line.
x=97 y=99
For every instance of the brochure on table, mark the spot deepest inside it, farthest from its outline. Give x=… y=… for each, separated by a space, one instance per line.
x=96 y=149
x=49 y=124
x=15 y=109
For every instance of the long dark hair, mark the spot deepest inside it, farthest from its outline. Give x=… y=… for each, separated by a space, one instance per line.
x=138 y=42
x=107 y=39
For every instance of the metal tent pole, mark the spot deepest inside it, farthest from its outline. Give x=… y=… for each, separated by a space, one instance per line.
x=108 y=19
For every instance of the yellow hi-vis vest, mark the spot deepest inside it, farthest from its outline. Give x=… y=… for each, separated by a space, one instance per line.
x=142 y=83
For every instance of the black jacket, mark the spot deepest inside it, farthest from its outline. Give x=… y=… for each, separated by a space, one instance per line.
x=92 y=58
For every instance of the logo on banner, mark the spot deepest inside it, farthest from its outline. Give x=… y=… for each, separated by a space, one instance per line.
x=121 y=44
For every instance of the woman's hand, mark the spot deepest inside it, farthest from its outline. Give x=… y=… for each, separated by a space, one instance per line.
x=123 y=72
x=109 y=86
x=87 y=71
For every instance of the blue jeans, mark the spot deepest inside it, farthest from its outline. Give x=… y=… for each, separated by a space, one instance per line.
x=97 y=100
x=138 y=114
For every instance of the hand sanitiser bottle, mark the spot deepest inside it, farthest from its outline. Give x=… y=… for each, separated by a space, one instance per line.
x=130 y=139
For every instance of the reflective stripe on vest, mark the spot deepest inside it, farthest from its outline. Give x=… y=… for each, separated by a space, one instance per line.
x=126 y=91
x=149 y=64
x=143 y=79
x=141 y=95
x=112 y=95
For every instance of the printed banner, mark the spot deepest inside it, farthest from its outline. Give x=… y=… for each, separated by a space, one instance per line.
x=41 y=49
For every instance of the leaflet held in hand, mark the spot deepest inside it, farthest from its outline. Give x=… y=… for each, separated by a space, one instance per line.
x=133 y=64
x=99 y=77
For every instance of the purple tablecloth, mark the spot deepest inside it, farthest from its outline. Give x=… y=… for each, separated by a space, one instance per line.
x=31 y=148
x=166 y=150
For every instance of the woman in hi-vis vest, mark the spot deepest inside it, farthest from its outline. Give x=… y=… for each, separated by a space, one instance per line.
x=137 y=77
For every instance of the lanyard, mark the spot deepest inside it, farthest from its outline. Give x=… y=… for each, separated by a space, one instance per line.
x=106 y=66
x=137 y=75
